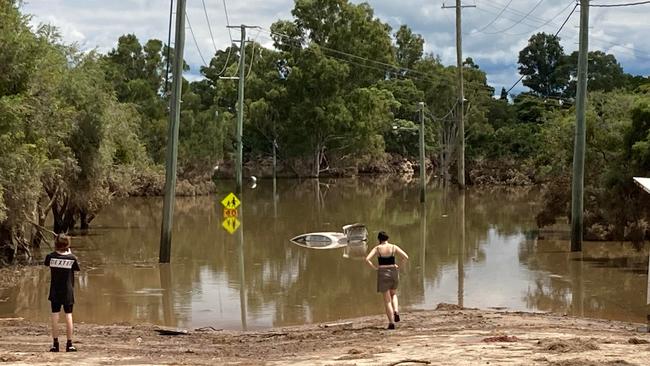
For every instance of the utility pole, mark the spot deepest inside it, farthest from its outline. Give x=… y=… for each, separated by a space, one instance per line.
x=240 y=105
x=577 y=187
x=240 y=111
x=172 y=139
x=461 y=94
x=423 y=170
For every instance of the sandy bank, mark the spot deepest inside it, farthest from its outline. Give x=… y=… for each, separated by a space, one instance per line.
x=445 y=337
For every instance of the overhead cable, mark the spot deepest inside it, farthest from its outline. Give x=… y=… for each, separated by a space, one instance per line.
x=519 y=21
x=250 y=68
x=194 y=38
x=556 y=34
x=207 y=20
x=495 y=18
x=169 y=47
x=618 y=5
x=225 y=64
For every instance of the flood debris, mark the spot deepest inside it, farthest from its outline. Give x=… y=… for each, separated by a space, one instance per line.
x=501 y=338
x=171 y=331
x=568 y=345
x=635 y=340
x=446 y=307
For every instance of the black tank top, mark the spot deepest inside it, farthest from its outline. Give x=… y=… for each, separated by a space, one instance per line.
x=386 y=261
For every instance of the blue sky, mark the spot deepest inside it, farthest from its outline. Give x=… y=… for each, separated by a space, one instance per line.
x=493 y=44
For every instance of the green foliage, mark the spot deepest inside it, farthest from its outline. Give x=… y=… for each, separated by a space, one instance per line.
x=409 y=47
x=541 y=64
x=604 y=72
x=63 y=134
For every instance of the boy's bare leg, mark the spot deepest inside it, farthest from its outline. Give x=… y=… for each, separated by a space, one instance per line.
x=69 y=327
x=55 y=325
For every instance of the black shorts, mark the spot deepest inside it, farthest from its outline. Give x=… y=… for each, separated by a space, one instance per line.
x=56 y=307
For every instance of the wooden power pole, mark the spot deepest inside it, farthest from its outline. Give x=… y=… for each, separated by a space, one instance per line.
x=461 y=95
x=577 y=186
x=172 y=136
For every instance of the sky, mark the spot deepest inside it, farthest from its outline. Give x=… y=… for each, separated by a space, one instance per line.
x=495 y=30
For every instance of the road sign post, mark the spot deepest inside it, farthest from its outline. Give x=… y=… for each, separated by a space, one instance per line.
x=230 y=214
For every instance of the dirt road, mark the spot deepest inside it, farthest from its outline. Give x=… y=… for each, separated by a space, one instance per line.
x=442 y=337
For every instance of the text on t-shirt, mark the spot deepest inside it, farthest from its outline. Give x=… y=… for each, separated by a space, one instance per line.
x=61 y=263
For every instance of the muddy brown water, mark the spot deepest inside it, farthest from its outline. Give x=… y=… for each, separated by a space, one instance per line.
x=497 y=261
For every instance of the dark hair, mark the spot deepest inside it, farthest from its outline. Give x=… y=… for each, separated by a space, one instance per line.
x=382 y=236
x=62 y=242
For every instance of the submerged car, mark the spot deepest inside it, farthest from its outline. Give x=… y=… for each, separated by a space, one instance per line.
x=332 y=240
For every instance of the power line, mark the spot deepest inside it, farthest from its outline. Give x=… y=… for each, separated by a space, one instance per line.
x=225 y=65
x=551 y=22
x=547 y=22
x=250 y=68
x=225 y=10
x=619 y=5
x=194 y=38
x=556 y=34
x=495 y=18
x=207 y=20
x=520 y=20
x=387 y=67
x=390 y=66
x=534 y=27
x=169 y=46
x=499 y=6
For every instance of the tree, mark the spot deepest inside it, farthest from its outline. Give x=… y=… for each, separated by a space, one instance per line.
x=136 y=73
x=540 y=62
x=504 y=94
x=408 y=47
x=605 y=73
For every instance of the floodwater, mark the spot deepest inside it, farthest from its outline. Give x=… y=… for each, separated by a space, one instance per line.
x=256 y=278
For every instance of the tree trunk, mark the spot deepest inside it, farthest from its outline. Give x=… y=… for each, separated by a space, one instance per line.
x=84 y=221
x=69 y=221
x=317 y=161
x=57 y=213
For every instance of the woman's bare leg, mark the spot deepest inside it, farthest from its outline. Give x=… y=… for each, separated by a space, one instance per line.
x=389 y=307
x=394 y=302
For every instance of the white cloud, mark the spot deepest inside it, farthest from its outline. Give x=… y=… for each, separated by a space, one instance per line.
x=621 y=31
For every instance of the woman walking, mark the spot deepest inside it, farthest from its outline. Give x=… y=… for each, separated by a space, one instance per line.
x=387 y=275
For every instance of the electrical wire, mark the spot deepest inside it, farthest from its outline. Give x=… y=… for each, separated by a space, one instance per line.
x=169 y=40
x=386 y=68
x=512 y=12
x=499 y=6
x=207 y=20
x=556 y=34
x=619 y=5
x=393 y=67
x=250 y=68
x=547 y=22
x=225 y=65
x=519 y=21
x=533 y=26
x=495 y=18
x=194 y=38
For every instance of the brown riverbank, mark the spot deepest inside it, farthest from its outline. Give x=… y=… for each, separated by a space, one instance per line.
x=444 y=337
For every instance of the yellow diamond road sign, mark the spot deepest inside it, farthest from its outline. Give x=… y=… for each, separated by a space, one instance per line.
x=230 y=224
x=231 y=201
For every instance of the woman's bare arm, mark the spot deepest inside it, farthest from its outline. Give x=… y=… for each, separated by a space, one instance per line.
x=370 y=256
x=402 y=253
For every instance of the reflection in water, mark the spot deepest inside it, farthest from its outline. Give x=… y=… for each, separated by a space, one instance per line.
x=461 y=248
x=356 y=250
x=221 y=280
x=242 y=272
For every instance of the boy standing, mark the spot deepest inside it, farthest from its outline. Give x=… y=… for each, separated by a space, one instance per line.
x=62 y=265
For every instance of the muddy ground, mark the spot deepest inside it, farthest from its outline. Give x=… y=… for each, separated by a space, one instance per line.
x=443 y=337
